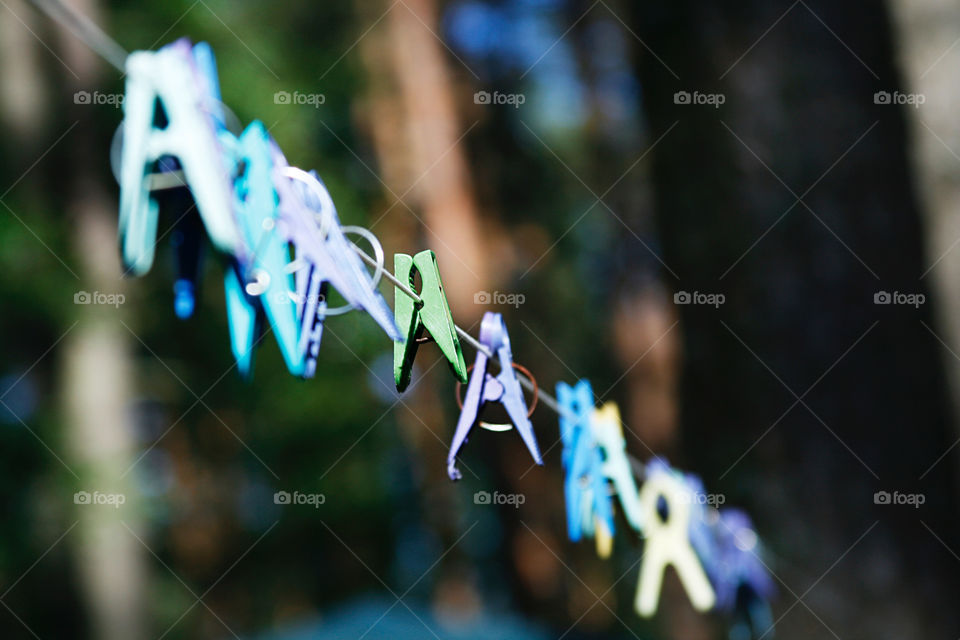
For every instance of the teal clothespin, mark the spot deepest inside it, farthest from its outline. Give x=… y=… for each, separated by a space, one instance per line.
x=432 y=315
x=170 y=78
x=264 y=266
x=243 y=320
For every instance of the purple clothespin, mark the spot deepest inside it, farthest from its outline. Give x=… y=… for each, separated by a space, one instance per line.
x=484 y=387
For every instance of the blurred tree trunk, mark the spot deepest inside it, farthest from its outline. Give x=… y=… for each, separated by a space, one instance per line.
x=97 y=376
x=430 y=176
x=410 y=111
x=928 y=55
x=800 y=279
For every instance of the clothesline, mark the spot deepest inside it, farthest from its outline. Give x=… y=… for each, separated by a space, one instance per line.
x=692 y=547
x=110 y=50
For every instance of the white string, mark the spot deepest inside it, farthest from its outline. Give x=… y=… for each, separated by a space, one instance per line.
x=86 y=30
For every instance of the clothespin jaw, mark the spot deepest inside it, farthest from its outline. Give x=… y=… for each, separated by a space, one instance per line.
x=432 y=315
x=607 y=429
x=666 y=503
x=504 y=388
x=169 y=78
x=243 y=320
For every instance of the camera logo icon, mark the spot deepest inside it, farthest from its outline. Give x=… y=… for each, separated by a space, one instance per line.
x=882 y=297
x=681 y=297
x=882 y=97
x=82 y=297
x=81 y=497
x=481 y=97
x=681 y=97
x=82 y=97
x=882 y=497
x=281 y=497
x=281 y=97
x=482 y=297
x=482 y=497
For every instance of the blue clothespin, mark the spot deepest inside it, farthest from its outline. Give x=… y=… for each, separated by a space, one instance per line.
x=268 y=286
x=483 y=387
x=323 y=247
x=184 y=129
x=585 y=486
x=187 y=239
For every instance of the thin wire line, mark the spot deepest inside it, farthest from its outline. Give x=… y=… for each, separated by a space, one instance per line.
x=86 y=30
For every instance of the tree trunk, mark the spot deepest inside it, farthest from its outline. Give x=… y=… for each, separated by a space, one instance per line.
x=799 y=121
x=97 y=380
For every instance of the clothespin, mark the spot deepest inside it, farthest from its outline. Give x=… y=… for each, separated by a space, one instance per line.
x=431 y=315
x=667 y=505
x=187 y=239
x=589 y=508
x=324 y=247
x=733 y=561
x=504 y=388
x=183 y=128
x=607 y=430
x=263 y=268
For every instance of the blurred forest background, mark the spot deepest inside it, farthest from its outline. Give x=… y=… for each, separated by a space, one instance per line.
x=799 y=198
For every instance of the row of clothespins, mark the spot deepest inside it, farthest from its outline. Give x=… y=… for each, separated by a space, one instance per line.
x=177 y=153
x=715 y=552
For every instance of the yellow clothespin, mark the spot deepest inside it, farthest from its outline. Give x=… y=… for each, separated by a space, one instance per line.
x=668 y=542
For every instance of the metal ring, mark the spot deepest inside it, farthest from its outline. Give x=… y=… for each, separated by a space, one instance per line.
x=327 y=208
x=500 y=426
x=377 y=274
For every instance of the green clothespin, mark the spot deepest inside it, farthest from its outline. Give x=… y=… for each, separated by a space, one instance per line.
x=432 y=314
